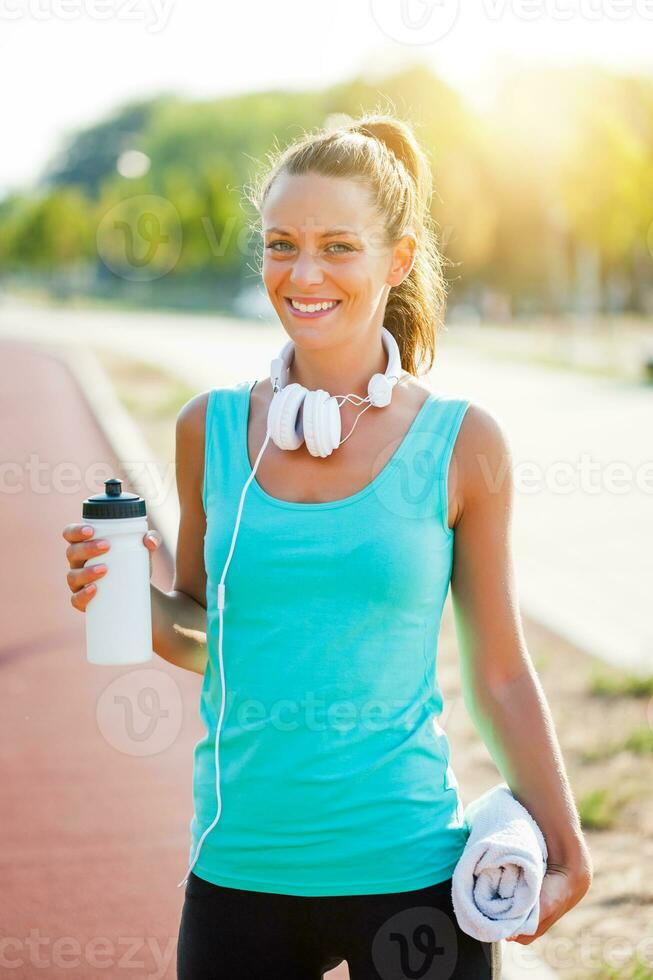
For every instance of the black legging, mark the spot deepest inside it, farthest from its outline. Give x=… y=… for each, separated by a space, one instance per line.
x=235 y=934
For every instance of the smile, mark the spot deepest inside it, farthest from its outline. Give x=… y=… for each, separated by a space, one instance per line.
x=320 y=308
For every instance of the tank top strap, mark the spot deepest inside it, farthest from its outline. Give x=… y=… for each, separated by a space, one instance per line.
x=444 y=419
x=221 y=440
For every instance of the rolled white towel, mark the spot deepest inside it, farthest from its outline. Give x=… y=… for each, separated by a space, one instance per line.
x=497 y=881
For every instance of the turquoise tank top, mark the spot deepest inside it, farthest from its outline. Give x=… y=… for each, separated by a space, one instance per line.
x=334 y=772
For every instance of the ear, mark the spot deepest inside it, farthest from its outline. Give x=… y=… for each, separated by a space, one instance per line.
x=403 y=259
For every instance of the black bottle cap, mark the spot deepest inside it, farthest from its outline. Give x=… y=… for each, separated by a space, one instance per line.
x=113 y=504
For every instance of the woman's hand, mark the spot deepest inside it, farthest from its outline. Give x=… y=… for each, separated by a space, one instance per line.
x=82 y=577
x=562 y=888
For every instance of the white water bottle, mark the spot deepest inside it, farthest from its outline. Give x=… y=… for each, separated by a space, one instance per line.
x=119 y=617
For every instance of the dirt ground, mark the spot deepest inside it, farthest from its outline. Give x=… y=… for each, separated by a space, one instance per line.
x=614 y=922
x=609 y=934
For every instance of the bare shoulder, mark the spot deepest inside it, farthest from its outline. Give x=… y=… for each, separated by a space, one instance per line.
x=411 y=394
x=190 y=432
x=191 y=417
x=418 y=390
x=481 y=429
x=482 y=455
x=261 y=393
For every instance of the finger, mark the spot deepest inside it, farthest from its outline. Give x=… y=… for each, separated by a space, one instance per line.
x=78 y=553
x=152 y=540
x=77 y=532
x=80 y=600
x=77 y=578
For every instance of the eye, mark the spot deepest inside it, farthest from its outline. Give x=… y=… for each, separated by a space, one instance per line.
x=271 y=245
x=344 y=245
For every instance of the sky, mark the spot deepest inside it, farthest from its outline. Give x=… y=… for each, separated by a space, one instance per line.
x=65 y=64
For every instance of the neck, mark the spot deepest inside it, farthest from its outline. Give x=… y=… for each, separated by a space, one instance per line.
x=341 y=370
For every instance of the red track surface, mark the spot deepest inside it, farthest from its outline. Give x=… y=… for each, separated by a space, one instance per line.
x=94 y=837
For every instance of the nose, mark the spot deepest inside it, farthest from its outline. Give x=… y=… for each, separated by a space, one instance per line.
x=305 y=271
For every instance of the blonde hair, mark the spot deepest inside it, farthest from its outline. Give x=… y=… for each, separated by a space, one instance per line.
x=382 y=151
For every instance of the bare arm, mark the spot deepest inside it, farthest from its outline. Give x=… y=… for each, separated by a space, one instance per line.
x=179 y=616
x=179 y=629
x=501 y=688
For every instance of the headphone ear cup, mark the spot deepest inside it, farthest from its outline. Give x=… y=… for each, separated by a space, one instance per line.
x=322 y=423
x=285 y=418
x=379 y=389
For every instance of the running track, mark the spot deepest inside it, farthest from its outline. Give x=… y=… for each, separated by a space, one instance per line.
x=94 y=837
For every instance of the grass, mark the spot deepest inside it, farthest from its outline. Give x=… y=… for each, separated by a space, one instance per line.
x=603 y=750
x=599 y=809
x=634 y=969
x=147 y=386
x=640 y=741
x=151 y=396
x=163 y=405
x=613 y=684
x=540 y=659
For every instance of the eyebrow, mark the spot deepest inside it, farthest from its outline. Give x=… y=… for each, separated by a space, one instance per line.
x=326 y=234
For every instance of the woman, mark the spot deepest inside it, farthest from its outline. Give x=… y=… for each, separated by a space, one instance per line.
x=338 y=834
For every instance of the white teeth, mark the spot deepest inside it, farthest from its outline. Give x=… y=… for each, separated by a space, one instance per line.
x=312 y=307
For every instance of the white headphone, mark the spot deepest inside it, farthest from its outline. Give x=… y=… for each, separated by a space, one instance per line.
x=296 y=414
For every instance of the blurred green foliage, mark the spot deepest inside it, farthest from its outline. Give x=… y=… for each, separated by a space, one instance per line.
x=545 y=198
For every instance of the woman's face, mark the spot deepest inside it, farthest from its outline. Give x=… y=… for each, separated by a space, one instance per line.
x=323 y=241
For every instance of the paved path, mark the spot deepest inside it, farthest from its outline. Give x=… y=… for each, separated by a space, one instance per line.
x=583 y=518
x=96 y=804
x=583 y=545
